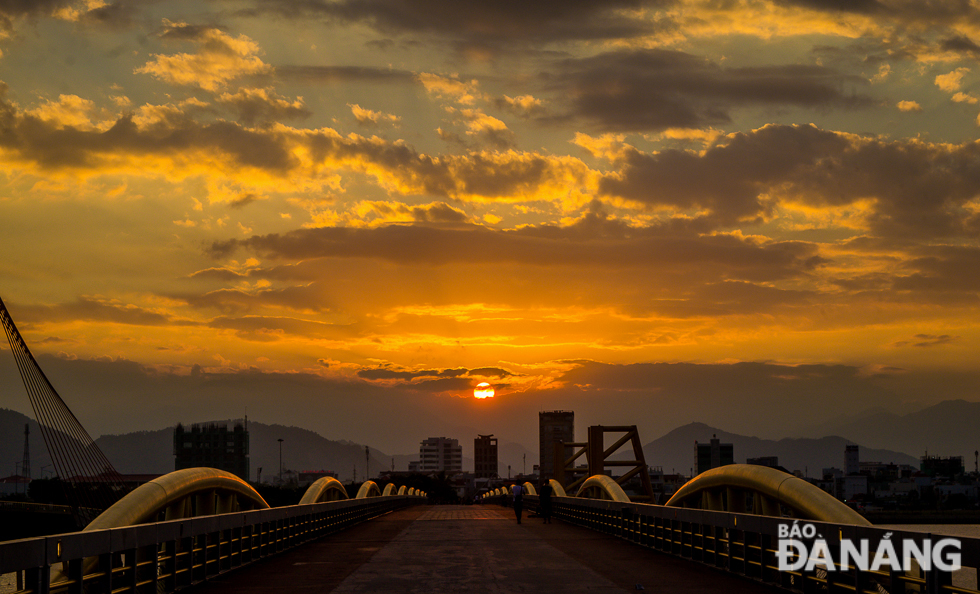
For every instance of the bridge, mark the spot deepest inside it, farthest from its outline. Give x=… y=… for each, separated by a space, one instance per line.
x=208 y=530
x=727 y=530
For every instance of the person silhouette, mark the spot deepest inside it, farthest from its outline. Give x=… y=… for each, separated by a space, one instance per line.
x=518 y=500
x=544 y=501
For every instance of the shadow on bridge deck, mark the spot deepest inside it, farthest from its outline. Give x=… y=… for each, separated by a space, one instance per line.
x=474 y=549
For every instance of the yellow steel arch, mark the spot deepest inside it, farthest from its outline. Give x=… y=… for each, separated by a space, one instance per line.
x=727 y=489
x=324 y=489
x=368 y=489
x=601 y=486
x=403 y=490
x=390 y=489
x=556 y=488
x=529 y=488
x=181 y=494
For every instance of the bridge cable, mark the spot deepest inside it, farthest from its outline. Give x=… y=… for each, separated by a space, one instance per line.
x=94 y=482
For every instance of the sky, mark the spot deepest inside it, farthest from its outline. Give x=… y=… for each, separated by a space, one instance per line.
x=345 y=214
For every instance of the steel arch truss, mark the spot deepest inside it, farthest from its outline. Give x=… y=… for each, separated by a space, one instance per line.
x=762 y=491
x=181 y=494
x=324 y=489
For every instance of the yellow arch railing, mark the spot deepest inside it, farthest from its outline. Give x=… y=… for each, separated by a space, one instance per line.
x=368 y=489
x=529 y=489
x=324 y=489
x=390 y=489
x=601 y=486
x=727 y=489
x=557 y=489
x=181 y=494
x=403 y=490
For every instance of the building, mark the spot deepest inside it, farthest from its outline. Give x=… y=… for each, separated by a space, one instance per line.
x=934 y=466
x=437 y=454
x=713 y=454
x=852 y=460
x=553 y=427
x=768 y=461
x=212 y=445
x=485 y=456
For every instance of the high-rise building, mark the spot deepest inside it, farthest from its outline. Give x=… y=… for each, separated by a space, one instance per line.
x=437 y=454
x=553 y=426
x=212 y=445
x=852 y=460
x=485 y=456
x=713 y=454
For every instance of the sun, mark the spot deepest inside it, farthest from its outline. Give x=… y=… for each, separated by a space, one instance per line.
x=483 y=390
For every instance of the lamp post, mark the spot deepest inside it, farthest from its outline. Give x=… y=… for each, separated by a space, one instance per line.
x=280 y=460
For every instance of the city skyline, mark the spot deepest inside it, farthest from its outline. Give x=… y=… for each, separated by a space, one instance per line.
x=348 y=214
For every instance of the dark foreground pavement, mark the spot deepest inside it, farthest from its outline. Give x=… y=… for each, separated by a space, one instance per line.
x=474 y=549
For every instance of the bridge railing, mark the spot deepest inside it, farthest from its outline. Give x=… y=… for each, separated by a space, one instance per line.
x=166 y=556
x=747 y=544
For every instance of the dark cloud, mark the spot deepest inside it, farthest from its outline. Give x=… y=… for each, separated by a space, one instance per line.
x=344 y=74
x=275 y=328
x=309 y=298
x=729 y=179
x=116 y=15
x=479 y=25
x=654 y=89
x=186 y=32
x=53 y=146
x=961 y=45
x=588 y=243
x=927 y=340
x=943 y=269
x=839 y=6
x=387 y=373
x=223 y=274
x=919 y=188
x=243 y=201
x=11 y=9
x=91 y=309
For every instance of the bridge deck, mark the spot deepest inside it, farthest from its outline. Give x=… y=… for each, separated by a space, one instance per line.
x=474 y=549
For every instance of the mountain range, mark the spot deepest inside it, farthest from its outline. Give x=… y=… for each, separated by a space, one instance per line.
x=946 y=429
x=674 y=452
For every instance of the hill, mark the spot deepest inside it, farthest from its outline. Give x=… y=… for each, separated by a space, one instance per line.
x=674 y=452
x=945 y=429
x=12 y=445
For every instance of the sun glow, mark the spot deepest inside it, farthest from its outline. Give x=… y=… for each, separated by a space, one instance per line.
x=483 y=390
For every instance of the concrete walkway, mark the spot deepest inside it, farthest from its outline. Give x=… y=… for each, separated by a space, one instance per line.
x=474 y=549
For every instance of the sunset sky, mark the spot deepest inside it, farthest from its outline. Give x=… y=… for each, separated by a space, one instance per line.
x=346 y=214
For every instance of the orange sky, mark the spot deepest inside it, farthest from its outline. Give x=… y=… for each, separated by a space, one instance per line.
x=401 y=200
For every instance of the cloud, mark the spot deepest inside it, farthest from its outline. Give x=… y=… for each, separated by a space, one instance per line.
x=494 y=27
x=463 y=92
x=367 y=117
x=96 y=309
x=116 y=15
x=524 y=106
x=952 y=81
x=263 y=105
x=656 y=89
x=345 y=74
x=220 y=58
x=909 y=106
x=927 y=340
x=591 y=242
x=918 y=188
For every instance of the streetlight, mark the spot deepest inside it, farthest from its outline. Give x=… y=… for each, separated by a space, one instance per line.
x=280 y=460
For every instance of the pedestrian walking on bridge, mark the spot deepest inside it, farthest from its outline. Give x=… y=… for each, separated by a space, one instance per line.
x=518 y=500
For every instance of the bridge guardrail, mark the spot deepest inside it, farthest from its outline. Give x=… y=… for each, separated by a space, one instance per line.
x=165 y=556
x=747 y=544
